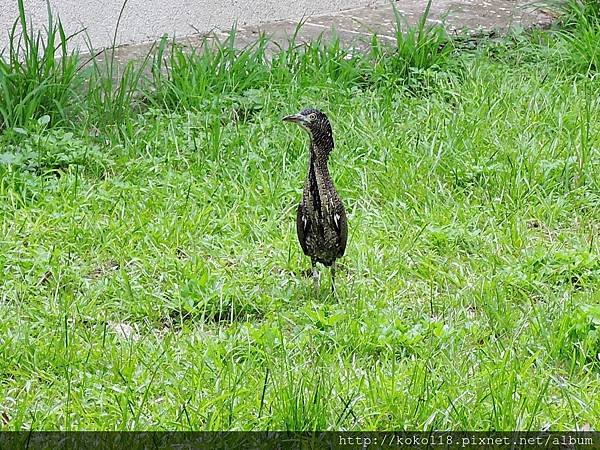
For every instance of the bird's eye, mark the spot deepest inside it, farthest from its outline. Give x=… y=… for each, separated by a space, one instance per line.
x=312 y=116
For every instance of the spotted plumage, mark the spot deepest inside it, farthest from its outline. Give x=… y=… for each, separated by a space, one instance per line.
x=321 y=222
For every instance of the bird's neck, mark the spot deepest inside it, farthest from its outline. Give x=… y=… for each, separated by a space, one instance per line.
x=318 y=161
x=318 y=183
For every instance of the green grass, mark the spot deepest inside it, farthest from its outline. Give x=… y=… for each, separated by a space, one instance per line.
x=38 y=75
x=151 y=278
x=579 y=33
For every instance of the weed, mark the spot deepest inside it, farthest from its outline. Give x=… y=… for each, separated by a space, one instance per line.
x=38 y=75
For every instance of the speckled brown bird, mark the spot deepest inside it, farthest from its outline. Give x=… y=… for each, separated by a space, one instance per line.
x=321 y=221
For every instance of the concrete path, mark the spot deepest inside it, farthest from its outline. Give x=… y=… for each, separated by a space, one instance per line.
x=355 y=26
x=147 y=20
x=358 y=25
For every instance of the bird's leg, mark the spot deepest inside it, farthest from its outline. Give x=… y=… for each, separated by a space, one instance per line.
x=315 y=274
x=333 y=278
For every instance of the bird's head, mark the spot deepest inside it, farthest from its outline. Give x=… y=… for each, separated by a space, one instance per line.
x=316 y=124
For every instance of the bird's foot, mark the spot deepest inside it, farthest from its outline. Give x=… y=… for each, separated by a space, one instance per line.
x=316 y=276
x=334 y=267
x=343 y=268
x=307 y=273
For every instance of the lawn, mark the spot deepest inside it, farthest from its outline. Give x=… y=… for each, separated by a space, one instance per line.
x=151 y=277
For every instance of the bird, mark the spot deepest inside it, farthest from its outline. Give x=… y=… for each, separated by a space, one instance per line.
x=321 y=222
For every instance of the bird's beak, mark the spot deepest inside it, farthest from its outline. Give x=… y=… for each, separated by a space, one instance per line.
x=295 y=118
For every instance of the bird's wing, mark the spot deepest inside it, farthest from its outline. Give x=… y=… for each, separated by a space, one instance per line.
x=340 y=223
x=302 y=226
